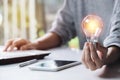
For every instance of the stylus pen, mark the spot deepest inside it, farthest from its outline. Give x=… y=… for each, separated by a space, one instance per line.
x=28 y=62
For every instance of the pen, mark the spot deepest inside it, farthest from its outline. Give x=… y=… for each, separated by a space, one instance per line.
x=28 y=62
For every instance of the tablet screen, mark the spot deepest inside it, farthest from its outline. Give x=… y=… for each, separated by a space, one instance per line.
x=55 y=63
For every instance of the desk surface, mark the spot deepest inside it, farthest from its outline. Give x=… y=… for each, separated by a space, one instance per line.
x=14 y=72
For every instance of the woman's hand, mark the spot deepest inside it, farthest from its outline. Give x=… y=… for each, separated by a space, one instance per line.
x=94 y=57
x=19 y=44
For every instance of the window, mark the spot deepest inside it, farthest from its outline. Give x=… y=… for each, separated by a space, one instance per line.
x=28 y=19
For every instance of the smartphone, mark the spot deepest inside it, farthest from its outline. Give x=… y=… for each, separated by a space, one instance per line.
x=53 y=65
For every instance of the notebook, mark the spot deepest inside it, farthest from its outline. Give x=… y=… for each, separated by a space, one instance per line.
x=20 y=56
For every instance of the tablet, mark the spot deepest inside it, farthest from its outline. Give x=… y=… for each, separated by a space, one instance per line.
x=53 y=65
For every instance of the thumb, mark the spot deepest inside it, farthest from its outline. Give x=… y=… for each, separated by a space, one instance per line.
x=101 y=50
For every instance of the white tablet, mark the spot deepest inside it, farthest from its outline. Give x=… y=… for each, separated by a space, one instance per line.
x=53 y=65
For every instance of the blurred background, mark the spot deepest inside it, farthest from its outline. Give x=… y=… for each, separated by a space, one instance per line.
x=29 y=19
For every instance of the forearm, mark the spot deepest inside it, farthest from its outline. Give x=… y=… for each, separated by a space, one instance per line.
x=48 y=41
x=113 y=54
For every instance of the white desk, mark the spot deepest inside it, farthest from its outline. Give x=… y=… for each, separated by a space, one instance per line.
x=13 y=72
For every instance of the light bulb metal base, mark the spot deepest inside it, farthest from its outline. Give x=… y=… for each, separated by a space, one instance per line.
x=94 y=40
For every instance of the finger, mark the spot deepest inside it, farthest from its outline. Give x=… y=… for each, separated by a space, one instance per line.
x=88 y=59
x=11 y=48
x=16 y=43
x=95 y=57
x=27 y=47
x=83 y=56
x=83 y=59
x=102 y=51
x=8 y=44
x=19 y=42
x=101 y=48
x=100 y=55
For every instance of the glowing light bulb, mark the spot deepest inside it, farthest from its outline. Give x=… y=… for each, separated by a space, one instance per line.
x=92 y=26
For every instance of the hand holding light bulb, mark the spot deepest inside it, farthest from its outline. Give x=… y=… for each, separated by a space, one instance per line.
x=93 y=56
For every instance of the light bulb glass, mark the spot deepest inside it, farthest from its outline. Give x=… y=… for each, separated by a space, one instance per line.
x=92 y=26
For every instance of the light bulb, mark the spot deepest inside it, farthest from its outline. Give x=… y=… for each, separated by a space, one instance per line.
x=92 y=26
